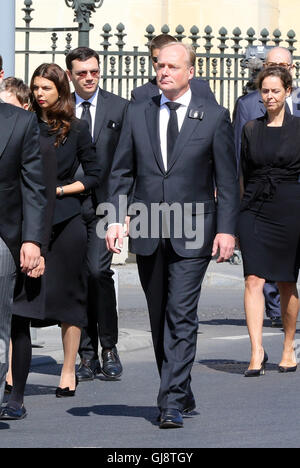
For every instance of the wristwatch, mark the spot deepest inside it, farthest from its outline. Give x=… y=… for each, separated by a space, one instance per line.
x=61 y=191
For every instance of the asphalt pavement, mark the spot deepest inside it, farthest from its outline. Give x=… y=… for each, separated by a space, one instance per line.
x=231 y=411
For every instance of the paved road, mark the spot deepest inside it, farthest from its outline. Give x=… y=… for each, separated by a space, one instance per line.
x=232 y=411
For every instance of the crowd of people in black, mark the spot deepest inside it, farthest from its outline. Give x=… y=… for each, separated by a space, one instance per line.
x=65 y=153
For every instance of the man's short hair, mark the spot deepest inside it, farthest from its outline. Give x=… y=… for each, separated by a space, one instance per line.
x=82 y=54
x=189 y=50
x=159 y=41
x=17 y=87
x=1 y=62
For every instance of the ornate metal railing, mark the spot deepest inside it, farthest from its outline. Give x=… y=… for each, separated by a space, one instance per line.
x=220 y=60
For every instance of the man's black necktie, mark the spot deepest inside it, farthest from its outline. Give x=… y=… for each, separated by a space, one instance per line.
x=86 y=114
x=172 y=131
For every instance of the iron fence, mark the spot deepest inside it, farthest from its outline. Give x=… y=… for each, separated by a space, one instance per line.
x=220 y=60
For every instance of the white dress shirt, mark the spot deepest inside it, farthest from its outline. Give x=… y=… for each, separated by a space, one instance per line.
x=93 y=107
x=164 y=115
x=289 y=102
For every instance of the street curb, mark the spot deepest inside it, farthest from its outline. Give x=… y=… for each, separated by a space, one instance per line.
x=129 y=340
x=221 y=280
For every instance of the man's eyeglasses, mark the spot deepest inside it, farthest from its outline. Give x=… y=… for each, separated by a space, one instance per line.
x=154 y=59
x=282 y=64
x=84 y=73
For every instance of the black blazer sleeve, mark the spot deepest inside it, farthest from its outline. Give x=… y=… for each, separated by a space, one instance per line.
x=226 y=176
x=50 y=169
x=32 y=185
x=121 y=181
x=86 y=154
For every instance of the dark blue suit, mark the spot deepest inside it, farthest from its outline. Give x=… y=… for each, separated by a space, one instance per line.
x=248 y=108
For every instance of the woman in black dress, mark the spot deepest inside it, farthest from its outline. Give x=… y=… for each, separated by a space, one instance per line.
x=62 y=295
x=269 y=224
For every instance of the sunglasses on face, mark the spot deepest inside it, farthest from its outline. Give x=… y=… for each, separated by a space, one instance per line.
x=154 y=59
x=84 y=74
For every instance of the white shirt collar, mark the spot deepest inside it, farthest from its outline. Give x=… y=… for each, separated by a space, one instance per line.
x=92 y=100
x=184 y=100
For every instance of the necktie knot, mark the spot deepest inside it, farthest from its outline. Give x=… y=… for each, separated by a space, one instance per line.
x=86 y=105
x=173 y=106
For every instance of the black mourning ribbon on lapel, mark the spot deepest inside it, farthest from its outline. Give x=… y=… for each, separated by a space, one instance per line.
x=86 y=114
x=172 y=131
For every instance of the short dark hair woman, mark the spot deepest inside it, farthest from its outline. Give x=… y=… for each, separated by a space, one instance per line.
x=269 y=225
x=65 y=292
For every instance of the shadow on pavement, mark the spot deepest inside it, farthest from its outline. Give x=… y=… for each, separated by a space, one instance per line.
x=149 y=413
x=237 y=322
x=50 y=367
x=39 y=390
x=230 y=366
x=4 y=426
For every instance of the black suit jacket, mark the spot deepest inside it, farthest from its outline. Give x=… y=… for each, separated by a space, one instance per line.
x=204 y=153
x=77 y=149
x=22 y=189
x=199 y=87
x=248 y=108
x=108 y=123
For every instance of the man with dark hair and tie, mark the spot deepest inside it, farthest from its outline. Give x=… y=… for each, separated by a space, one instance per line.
x=198 y=86
x=22 y=211
x=104 y=113
x=173 y=150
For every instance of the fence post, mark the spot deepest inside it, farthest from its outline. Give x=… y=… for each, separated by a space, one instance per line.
x=83 y=10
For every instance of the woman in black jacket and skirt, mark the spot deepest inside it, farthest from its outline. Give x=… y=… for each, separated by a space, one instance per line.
x=62 y=299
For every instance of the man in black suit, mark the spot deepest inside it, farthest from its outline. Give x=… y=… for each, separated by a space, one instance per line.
x=198 y=86
x=22 y=211
x=173 y=150
x=104 y=112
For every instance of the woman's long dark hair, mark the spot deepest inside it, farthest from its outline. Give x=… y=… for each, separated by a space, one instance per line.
x=62 y=112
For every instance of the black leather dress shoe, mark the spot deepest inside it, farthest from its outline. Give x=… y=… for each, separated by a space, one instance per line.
x=111 y=364
x=189 y=408
x=171 y=419
x=12 y=414
x=88 y=369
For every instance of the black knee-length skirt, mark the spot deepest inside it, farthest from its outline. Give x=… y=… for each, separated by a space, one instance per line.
x=61 y=294
x=269 y=233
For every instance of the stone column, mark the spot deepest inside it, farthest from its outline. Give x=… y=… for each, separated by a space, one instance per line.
x=7 y=36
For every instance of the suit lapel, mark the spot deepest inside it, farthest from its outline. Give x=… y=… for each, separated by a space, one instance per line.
x=152 y=121
x=7 y=124
x=188 y=127
x=261 y=106
x=101 y=110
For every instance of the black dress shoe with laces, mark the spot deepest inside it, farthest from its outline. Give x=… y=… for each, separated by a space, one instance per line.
x=111 y=364
x=13 y=414
x=171 y=419
x=88 y=369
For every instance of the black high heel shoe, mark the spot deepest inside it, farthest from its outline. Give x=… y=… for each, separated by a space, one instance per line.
x=8 y=389
x=66 y=392
x=258 y=372
x=285 y=370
